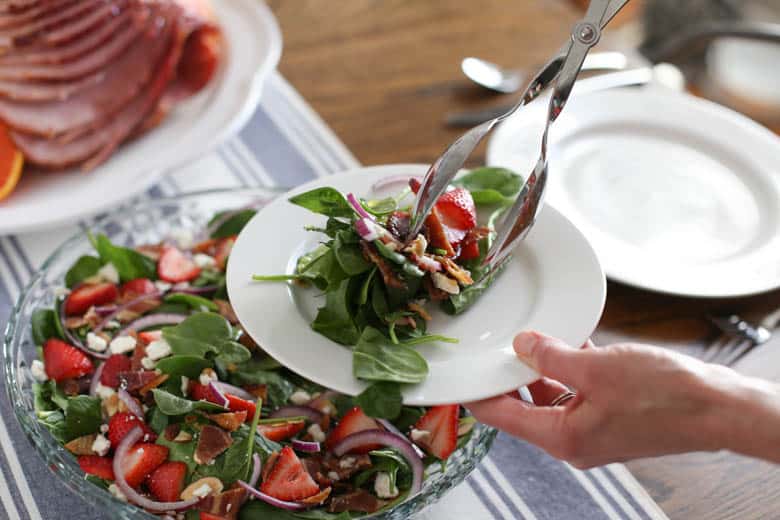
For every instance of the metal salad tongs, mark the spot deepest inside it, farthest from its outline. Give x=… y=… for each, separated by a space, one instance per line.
x=563 y=70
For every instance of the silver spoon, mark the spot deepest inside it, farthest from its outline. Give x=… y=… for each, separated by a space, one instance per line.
x=495 y=78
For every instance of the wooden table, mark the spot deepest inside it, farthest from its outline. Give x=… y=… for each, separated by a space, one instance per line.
x=383 y=74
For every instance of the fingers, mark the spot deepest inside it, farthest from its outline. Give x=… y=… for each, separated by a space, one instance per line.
x=545 y=391
x=552 y=357
x=538 y=425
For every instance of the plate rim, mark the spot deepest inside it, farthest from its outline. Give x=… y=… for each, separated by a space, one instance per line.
x=591 y=320
x=269 y=31
x=725 y=114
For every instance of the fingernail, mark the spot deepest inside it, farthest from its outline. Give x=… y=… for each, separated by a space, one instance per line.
x=524 y=344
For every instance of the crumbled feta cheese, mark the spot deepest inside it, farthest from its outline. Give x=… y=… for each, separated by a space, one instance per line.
x=316 y=433
x=38 y=371
x=383 y=486
x=96 y=343
x=61 y=291
x=114 y=490
x=162 y=286
x=185 y=385
x=183 y=436
x=109 y=273
x=103 y=428
x=204 y=261
x=420 y=435
x=101 y=445
x=122 y=344
x=148 y=363
x=207 y=376
x=332 y=475
x=300 y=397
x=112 y=324
x=347 y=462
x=202 y=491
x=328 y=409
x=104 y=392
x=158 y=349
x=183 y=237
x=445 y=283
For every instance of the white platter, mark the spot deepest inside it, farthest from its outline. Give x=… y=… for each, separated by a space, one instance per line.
x=553 y=284
x=194 y=128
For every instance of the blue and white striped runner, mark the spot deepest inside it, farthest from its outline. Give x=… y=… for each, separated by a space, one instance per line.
x=283 y=145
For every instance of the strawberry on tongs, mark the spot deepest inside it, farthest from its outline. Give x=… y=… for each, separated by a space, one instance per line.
x=175 y=267
x=451 y=218
x=87 y=295
x=288 y=479
x=63 y=361
x=439 y=426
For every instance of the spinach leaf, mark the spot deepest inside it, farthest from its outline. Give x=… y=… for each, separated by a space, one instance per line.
x=129 y=264
x=374 y=360
x=170 y=404
x=199 y=303
x=324 y=271
x=348 y=254
x=279 y=389
x=332 y=227
x=258 y=510
x=45 y=326
x=334 y=320
x=364 y=288
x=381 y=207
x=54 y=421
x=99 y=482
x=158 y=421
x=408 y=417
x=47 y=396
x=390 y=462
x=180 y=451
x=205 y=333
x=82 y=416
x=84 y=267
x=458 y=303
x=381 y=399
x=183 y=365
x=490 y=186
x=325 y=201
x=233 y=225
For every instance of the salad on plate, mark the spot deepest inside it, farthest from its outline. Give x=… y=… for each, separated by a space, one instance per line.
x=147 y=378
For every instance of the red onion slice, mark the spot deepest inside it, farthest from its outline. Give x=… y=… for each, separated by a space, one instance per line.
x=75 y=341
x=358 y=207
x=218 y=395
x=105 y=310
x=391 y=440
x=258 y=465
x=96 y=380
x=393 y=180
x=367 y=229
x=387 y=425
x=152 y=320
x=139 y=299
x=306 y=446
x=131 y=403
x=268 y=499
x=233 y=390
x=312 y=415
x=132 y=495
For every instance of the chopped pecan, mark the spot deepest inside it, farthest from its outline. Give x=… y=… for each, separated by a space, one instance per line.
x=82 y=445
x=230 y=421
x=154 y=383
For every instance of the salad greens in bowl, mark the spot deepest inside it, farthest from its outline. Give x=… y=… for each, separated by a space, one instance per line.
x=133 y=379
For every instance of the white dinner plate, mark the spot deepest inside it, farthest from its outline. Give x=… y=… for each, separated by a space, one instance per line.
x=677 y=194
x=554 y=283
x=195 y=127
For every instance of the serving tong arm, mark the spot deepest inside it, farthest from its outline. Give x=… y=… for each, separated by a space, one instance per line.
x=563 y=69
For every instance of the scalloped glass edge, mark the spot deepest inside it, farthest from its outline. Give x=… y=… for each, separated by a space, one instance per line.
x=17 y=342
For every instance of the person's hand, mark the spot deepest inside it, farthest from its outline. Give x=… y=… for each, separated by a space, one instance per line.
x=633 y=401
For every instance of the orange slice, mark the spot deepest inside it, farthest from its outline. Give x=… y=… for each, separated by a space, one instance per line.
x=11 y=161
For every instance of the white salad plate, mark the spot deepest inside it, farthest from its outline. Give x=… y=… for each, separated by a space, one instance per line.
x=554 y=283
x=195 y=127
x=676 y=194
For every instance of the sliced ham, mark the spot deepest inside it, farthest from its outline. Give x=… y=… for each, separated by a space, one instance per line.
x=87 y=64
x=25 y=91
x=78 y=27
x=47 y=55
x=17 y=19
x=11 y=6
x=97 y=146
x=122 y=81
x=56 y=17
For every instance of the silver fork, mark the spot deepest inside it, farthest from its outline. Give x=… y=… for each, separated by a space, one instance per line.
x=739 y=337
x=563 y=70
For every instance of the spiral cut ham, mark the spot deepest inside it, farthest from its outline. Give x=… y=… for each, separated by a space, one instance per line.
x=79 y=78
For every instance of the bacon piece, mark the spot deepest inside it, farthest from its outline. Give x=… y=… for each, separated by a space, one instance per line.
x=137 y=379
x=388 y=275
x=212 y=442
x=226 y=504
x=359 y=500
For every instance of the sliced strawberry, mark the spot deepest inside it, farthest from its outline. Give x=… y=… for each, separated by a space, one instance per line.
x=63 y=361
x=199 y=392
x=353 y=421
x=457 y=210
x=167 y=481
x=288 y=479
x=223 y=251
x=236 y=404
x=437 y=234
x=442 y=423
x=86 y=295
x=137 y=287
x=120 y=425
x=469 y=250
x=281 y=431
x=141 y=460
x=414 y=185
x=99 y=466
x=150 y=335
x=112 y=367
x=175 y=267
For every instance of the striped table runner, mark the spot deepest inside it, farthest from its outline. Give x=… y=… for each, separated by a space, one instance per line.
x=283 y=145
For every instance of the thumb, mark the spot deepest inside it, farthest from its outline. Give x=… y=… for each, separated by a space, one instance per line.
x=551 y=357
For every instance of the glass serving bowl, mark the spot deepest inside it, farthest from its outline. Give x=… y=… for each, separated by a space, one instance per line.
x=152 y=222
